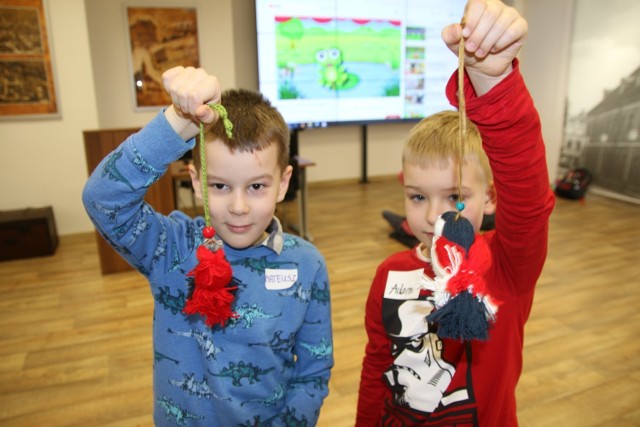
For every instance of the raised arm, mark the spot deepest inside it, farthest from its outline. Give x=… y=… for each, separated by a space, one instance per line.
x=114 y=194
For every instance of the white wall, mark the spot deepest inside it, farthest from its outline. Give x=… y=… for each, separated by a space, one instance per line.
x=545 y=67
x=42 y=162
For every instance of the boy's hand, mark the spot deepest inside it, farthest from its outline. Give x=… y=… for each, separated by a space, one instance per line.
x=191 y=89
x=494 y=34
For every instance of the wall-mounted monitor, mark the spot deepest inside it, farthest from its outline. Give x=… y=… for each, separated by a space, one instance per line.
x=326 y=62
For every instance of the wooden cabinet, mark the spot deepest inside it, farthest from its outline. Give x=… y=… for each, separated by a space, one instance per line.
x=99 y=143
x=26 y=233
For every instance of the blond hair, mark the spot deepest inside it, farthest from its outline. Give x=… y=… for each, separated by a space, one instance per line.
x=256 y=125
x=435 y=140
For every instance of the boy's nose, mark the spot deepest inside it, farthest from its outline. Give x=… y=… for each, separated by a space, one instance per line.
x=433 y=211
x=238 y=204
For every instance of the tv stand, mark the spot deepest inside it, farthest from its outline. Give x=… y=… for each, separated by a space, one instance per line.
x=300 y=168
x=363 y=140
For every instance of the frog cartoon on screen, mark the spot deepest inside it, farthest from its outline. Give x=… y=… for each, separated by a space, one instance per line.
x=333 y=73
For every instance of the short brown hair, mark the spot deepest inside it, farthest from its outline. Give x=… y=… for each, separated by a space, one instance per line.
x=435 y=139
x=256 y=125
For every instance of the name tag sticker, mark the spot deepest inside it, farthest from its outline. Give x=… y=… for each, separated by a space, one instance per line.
x=280 y=279
x=402 y=285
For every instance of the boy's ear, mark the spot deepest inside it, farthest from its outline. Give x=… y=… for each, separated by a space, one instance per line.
x=491 y=200
x=195 y=181
x=284 y=182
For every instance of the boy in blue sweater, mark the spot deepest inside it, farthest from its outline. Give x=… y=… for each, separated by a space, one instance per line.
x=270 y=363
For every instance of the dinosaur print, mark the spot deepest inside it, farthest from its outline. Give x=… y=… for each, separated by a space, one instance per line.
x=241 y=370
x=139 y=226
x=176 y=262
x=193 y=387
x=161 y=246
x=205 y=342
x=298 y=292
x=190 y=236
x=248 y=314
x=278 y=395
x=170 y=302
x=320 y=295
x=319 y=383
x=173 y=411
x=277 y=344
x=111 y=171
x=111 y=214
x=289 y=418
x=320 y=351
x=159 y=357
x=146 y=168
x=257 y=422
x=290 y=243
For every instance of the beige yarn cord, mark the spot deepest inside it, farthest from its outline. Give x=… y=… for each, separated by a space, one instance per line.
x=463 y=120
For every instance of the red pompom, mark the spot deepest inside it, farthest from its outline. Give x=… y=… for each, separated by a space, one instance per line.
x=211 y=297
x=213 y=270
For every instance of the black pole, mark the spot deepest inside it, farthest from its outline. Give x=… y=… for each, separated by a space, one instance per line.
x=293 y=143
x=364 y=178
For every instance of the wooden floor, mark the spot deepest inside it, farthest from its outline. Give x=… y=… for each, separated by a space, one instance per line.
x=75 y=346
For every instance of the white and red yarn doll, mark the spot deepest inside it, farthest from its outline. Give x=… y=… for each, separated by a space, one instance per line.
x=463 y=307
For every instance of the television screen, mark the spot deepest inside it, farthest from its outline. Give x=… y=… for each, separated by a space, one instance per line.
x=325 y=62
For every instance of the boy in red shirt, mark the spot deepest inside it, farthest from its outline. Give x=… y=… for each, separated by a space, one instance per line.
x=410 y=376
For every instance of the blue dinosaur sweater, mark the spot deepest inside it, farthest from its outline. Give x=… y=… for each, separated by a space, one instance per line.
x=271 y=365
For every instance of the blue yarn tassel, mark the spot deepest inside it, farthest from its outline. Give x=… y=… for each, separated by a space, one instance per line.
x=463 y=318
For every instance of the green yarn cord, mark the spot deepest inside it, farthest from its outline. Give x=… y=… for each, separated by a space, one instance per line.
x=228 y=127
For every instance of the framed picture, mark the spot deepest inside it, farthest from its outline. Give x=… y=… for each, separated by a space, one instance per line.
x=159 y=39
x=602 y=115
x=27 y=83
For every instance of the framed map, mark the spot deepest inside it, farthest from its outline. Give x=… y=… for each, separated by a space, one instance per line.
x=159 y=39
x=26 y=74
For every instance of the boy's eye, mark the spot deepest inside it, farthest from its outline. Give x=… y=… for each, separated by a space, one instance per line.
x=417 y=197
x=257 y=187
x=454 y=197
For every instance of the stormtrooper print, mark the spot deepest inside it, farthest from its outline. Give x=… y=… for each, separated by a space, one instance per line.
x=422 y=370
